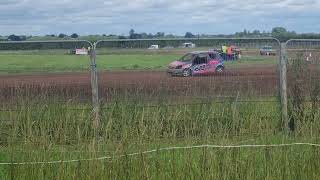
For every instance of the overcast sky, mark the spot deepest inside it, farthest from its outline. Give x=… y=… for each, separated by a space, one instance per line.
x=40 y=17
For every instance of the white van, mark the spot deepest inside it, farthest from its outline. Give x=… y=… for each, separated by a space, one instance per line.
x=154 y=47
x=188 y=45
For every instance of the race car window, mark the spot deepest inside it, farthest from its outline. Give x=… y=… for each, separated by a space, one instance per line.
x=187 y=57
x=200 y=59
x=213 y=56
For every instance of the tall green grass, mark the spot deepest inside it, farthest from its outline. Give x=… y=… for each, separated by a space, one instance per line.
x=48 y=131
x=36 y=128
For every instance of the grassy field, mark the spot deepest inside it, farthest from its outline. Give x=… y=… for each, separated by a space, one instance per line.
x=47 y=131
x=56 y=61
x=67 y=63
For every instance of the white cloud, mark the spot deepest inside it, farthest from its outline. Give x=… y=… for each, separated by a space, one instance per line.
x=176 y=16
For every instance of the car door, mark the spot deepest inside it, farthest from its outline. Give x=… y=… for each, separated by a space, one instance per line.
x=214 y=60
x=200 y=63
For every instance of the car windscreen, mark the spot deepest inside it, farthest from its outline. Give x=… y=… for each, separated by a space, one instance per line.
x=186 y=58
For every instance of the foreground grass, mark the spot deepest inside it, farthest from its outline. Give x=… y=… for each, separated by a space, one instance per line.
x=301 y=162
x=48 y=131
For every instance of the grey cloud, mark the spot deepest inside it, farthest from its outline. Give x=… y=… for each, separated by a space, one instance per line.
x=117 y=16
x=9 y=2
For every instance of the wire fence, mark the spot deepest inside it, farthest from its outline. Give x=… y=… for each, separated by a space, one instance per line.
x=248 y=70
x=33 y=69
x=303 y=78
x=137 y=68
x=140 y=96
x=148 y=71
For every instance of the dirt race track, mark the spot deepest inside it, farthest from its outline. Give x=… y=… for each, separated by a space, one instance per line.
x=250 y=81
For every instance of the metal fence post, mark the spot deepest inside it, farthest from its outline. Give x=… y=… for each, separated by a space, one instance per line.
x=283 y=86
x=95 y=92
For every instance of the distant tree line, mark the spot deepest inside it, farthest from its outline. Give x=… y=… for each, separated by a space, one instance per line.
x=134 y=35
x=278 y=32
x=14 y=37
x=43 y=45
x=201 y=42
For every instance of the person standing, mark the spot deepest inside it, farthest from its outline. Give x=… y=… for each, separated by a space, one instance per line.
x=224 y=52
x=230 y=53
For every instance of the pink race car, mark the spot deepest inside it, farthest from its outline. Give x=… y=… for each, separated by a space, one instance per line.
x=197 y=63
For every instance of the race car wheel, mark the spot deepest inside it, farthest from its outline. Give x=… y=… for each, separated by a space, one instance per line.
x=220 y=69
x=186 y=72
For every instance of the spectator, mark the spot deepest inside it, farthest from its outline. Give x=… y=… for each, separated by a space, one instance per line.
x=230 y=53
x=224 y=52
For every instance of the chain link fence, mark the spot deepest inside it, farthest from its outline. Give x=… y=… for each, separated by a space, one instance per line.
x=44 y=70
x=138 y=69
x=303 y=80
x=148 y=112
x=131 y=70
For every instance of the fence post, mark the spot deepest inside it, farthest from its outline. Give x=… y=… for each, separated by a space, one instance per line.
x=94 y=87
x=283 y=86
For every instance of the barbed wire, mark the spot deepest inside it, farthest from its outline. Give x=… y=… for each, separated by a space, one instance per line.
x=160 y=150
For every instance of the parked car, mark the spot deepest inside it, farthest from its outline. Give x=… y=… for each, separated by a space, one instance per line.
x=237 y=51
x=268 y=51
x=82 y=51
x=154 y=47
x=197 y=63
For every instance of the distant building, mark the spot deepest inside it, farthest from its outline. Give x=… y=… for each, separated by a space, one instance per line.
x=188 y=45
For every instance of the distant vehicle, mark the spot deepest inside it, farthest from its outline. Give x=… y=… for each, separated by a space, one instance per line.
x=154 y=47
x=188 y=45
x=237 y=51
x=197 y=63
x=82 y=51
x=268 y=51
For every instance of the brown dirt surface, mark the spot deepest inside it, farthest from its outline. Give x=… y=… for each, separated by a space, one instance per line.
x=249 y=81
